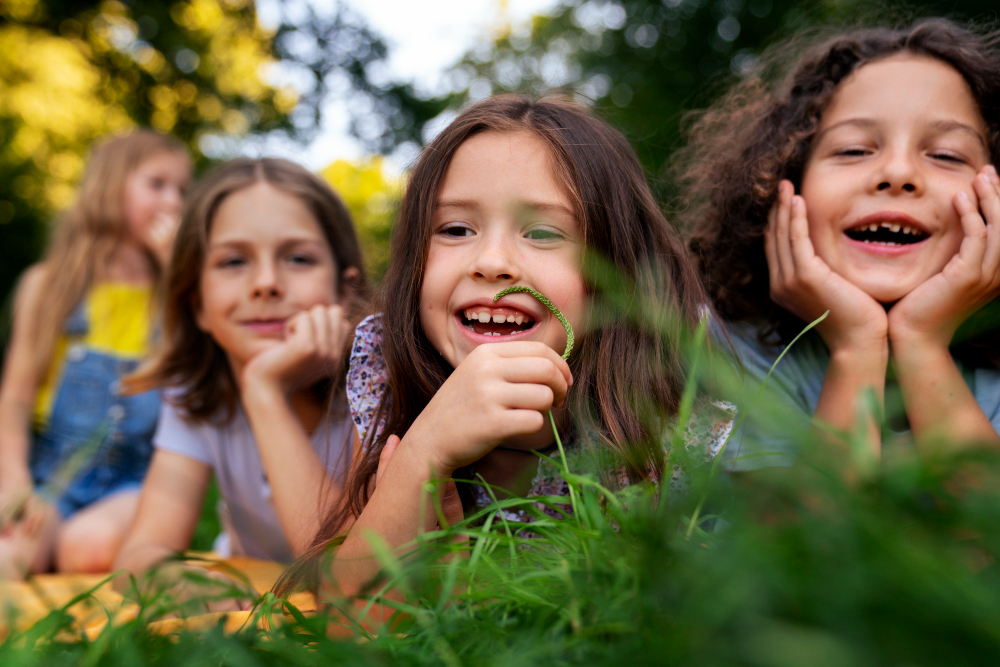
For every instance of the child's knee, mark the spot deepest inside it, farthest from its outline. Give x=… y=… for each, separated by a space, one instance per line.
x=87 y=545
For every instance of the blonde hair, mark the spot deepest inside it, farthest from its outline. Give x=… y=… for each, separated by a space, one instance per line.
x=88 y=233
x=189 y=359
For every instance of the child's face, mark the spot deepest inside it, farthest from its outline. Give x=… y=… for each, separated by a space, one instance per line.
x=501 y=219
x=155 y=189
x=900 y=138
x=267 y=259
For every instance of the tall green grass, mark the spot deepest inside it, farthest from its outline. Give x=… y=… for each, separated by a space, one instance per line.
x=783 y=567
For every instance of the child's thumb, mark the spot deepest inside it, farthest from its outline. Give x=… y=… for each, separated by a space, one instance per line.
x=383 y=459
x=451 y=505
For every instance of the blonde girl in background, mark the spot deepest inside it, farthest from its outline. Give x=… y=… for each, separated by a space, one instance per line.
x=73 y=448
x=262 y=294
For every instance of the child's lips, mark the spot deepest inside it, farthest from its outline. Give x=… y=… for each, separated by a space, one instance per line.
x=271 y=327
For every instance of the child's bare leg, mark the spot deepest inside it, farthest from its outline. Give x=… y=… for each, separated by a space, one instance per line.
x=89 y=540
x=26 y=546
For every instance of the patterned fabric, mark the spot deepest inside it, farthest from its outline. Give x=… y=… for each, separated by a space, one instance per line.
x=706 y=432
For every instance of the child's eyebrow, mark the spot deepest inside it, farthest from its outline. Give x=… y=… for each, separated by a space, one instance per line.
x=529 y=205
x=951 y=125
x=939 y=125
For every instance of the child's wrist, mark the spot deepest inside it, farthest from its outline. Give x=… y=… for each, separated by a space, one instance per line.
x=424 y=457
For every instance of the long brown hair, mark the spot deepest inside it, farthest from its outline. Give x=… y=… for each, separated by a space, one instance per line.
x=189 y=359
x=619 y=365
x=89 y=232
x=762 y=131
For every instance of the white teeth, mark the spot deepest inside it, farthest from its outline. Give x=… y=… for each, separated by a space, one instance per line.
x=873 y=227
x=895 y=228
x=484 y=317
x=469 y=314
x=519 y=319
x=499 y=318
x=510 y=318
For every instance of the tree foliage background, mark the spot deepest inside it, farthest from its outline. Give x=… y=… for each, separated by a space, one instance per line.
x=71 y=72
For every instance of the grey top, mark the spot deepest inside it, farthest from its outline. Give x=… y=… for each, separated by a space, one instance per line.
x=776 y=424
x=247 y=511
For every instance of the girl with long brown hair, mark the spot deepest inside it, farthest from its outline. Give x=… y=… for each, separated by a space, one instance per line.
x=73 y=449
x=263 y=290
x=859 y=182
x=446 y=382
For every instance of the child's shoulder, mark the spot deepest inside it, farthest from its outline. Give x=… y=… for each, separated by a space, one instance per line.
x=31 y=283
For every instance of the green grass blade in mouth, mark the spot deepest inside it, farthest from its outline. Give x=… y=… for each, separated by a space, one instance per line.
x=548 y=304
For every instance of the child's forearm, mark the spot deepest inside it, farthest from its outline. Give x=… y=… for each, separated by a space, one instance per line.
x=15 y=419
x=398 y=510
x=850 y=374
x=939 y=404
x=303 y=492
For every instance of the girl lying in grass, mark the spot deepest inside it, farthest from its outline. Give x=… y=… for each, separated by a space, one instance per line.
x=863 y=185
x=446 y=382
x=263 y=290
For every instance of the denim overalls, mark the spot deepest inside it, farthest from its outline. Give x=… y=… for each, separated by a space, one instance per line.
x=97 y=441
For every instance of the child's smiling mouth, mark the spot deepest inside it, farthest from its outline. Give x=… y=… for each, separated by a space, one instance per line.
x=489 y=321
x=886 y=233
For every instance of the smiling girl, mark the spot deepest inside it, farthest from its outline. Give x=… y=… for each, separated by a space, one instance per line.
x=863 y=186
x=446 y=382
x=262 y=293
x=73 y=449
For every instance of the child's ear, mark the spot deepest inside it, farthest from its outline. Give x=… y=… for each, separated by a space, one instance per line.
x=348 y=279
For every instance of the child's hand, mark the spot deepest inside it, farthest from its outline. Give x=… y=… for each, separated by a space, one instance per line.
x=933 y=311
x=190 y=588
x=500 y=390
x=161 y=236
x=20 y=506
x=803 y=284
x=312 y=348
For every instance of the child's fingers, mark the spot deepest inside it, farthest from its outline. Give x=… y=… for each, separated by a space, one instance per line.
x=527 y=349
x=339 y=329
x=451 y=505
x=535 y=371
x=799 y=240
x=321 y=330
x=973 y=247
x=300 y=328
x=987 y=186
x=537 y=397
x=783 y=222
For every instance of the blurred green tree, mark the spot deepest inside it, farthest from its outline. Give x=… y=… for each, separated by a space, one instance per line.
x=203 y=70
x=643 y=63
x=371 y=195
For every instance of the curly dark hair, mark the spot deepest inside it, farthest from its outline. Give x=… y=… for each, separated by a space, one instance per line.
x=761 y=132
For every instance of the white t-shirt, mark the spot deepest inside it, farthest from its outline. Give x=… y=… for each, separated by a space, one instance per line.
x=246 y=510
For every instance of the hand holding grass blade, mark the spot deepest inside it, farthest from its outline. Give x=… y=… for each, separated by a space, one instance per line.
x=548 y=304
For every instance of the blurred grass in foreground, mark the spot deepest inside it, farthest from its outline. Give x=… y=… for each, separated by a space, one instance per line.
x=801 y=569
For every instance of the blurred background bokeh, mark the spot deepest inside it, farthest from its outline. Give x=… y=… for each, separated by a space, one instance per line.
x=229 y=78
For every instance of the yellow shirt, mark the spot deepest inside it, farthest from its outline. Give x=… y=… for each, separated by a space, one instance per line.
x=118 y=323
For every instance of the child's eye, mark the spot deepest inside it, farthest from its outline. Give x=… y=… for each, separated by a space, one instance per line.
x=947 y=157
x=230 y=262
x=853 y=151
x=302 y=259
x=157 y=183
x=543 y=234
x=455 y=231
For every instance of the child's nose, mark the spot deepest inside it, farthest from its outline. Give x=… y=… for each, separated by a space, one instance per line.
x=899 y=173
x=496 y=260
x=266 y=281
